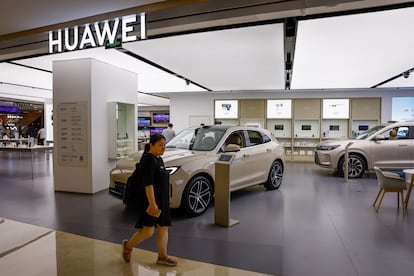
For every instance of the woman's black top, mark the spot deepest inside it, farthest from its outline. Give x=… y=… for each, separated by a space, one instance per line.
x=154 y=173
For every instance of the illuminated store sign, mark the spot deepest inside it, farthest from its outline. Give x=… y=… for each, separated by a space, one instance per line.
x=98 y=34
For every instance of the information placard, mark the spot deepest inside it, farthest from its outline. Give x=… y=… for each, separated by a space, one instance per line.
x=72 y=134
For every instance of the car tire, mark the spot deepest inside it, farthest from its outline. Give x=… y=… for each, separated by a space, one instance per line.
x=197 y=196
x=274 y=180
x=356 y=166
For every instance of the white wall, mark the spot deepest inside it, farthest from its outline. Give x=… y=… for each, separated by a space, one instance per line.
x=185 y=105
x=95 y=83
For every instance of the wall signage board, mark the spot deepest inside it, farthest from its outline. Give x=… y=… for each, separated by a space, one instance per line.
x=226 y=109
x=107 y=33
x=279 y=109
x=72 y=134
x=335 y=109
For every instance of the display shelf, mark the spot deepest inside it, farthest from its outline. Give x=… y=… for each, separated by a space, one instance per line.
x=303 y=149
x=280 y=128
x=334 y=129
x=306 y=129
x=121 y=130
x=359 y=126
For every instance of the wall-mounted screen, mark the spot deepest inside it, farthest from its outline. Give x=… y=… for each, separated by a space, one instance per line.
x=402 y=109
x=335 y=109
x=279 y=109
x=9 y=109
x=144 y=121
x=306 y=127
x=334 y=127
x=363 y=127
x=156 y=130
x=160 y=118
x=226 y=109
x=279 y=127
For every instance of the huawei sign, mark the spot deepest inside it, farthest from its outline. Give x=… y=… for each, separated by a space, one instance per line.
x=98 y=34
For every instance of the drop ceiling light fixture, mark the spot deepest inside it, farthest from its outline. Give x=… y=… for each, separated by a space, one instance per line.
x=404 y=74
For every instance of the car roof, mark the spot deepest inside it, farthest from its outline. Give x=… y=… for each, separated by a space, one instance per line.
x=397 y=124
x=231 y=127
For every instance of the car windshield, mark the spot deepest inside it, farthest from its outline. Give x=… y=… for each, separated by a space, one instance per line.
x=200 y=139
x=364 y=135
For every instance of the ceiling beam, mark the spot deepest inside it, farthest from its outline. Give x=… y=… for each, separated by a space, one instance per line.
x=101 y=17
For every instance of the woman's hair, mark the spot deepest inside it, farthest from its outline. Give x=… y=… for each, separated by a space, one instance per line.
x=153 y=139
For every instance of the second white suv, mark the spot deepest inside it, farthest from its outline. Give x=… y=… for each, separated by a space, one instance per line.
x=374 y=147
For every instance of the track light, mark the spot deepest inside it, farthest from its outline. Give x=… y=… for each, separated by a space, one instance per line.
x=406 y=74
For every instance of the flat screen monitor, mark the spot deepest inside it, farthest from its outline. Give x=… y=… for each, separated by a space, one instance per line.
x=226 y=109
x=156 y=130
x=306 y=127
x=160 y=118
x=335 y=109
x=144 y=121
x=279 y=127
x=277 y=109
x=334 y=127
x=402 y=109
x=9 y=109
x=363 y=127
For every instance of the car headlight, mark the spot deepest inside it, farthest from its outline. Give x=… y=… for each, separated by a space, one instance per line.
x=327 y=147
x=172 y=170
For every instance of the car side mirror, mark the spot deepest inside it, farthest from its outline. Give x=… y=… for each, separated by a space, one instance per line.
x=232 y=148
x=379 y=137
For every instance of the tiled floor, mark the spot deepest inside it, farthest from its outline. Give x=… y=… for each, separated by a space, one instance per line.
x=33 y=250
x=316 y=224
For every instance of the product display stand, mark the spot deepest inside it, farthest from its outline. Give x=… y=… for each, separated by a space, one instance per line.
x=222 y=191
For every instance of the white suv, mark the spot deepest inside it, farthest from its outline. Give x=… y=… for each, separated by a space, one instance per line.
x=374 y=147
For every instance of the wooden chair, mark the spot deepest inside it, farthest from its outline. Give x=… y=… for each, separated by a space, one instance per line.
x=389 y=182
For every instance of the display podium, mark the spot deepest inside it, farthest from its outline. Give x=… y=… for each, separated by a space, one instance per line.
x=222 y=191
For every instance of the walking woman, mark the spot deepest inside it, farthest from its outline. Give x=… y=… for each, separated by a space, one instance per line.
x=155 y=212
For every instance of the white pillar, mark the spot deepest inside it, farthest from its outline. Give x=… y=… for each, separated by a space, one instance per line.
x=82 y=89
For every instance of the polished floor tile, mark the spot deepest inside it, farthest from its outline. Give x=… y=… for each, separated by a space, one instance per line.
x=34 y=250
x=316 y=224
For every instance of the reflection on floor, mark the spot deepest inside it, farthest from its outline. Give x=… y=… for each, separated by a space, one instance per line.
x=316 y=224
x=32 y=250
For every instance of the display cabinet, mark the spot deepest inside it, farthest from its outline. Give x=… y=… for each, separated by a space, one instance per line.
x=121 y=129
x=334 y=129
x=300 y=124
x=305 y=137
x=281 y=129
x=306 y=128
x=364 y=118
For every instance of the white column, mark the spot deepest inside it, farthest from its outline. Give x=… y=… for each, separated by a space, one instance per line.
x=81 y=91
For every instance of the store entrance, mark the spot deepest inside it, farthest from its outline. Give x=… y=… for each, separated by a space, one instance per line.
x=20 y=119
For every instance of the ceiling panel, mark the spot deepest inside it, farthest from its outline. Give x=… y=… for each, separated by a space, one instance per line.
x=248 y=58
x=355 y=51
x=32 y=14
x=150 y=79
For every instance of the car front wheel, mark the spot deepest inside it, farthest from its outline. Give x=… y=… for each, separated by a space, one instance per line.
x=275 y=177
x=197 y=196
x=356 y=166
